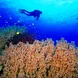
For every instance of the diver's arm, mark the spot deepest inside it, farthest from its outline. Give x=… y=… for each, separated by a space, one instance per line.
x=37 y=17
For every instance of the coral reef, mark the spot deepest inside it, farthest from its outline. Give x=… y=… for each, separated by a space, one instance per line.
x=8 y=32
x=40 y=60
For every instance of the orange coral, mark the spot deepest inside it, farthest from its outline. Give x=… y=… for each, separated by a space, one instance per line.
x=40 y=60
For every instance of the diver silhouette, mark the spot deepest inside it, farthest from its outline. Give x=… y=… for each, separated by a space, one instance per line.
x=35 y=13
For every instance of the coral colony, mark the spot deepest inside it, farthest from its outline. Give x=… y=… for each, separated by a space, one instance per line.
x=42 y=59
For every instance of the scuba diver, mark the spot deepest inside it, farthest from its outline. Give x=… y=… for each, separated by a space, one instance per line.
x=35 y=13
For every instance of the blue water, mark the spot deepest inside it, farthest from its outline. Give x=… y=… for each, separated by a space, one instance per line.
x=59 y=17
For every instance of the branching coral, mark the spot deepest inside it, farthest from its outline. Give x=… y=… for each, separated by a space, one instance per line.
x=40 y=60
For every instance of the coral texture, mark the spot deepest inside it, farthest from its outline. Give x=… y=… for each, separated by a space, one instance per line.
x=40 y=60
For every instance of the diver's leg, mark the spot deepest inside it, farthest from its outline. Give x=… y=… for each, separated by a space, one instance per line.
x=23 y=11
x=27 y=11
x=27 y=14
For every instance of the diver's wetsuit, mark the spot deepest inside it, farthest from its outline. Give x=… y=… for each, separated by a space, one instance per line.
x=35 y=13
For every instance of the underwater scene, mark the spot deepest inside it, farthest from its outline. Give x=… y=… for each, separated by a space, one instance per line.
x=38 y=38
